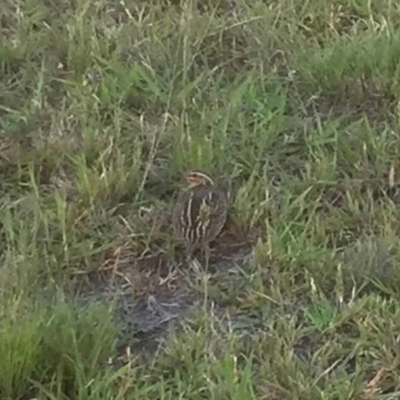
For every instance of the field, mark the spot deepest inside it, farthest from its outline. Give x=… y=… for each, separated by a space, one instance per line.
x=293 y=107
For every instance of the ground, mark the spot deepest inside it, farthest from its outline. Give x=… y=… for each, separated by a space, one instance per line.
x=292 y=107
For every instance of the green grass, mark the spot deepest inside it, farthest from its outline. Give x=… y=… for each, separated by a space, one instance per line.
x=292 y=105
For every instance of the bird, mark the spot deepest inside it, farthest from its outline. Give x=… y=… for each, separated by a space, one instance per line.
x=199 y=213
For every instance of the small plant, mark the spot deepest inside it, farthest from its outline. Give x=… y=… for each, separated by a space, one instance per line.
x=321 y=316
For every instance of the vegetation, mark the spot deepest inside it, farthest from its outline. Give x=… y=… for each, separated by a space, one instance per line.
x=292 y=105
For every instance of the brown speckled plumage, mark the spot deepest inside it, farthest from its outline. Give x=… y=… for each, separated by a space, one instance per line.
x=200 y=212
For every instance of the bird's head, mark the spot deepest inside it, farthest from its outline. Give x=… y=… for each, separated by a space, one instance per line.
x=197 y=178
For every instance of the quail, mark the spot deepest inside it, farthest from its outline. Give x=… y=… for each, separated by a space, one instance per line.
x=199 y=213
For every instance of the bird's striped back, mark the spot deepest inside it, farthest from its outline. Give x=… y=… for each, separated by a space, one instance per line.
x=200 y=214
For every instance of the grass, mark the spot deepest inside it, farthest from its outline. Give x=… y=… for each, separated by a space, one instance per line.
x=292 y=105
